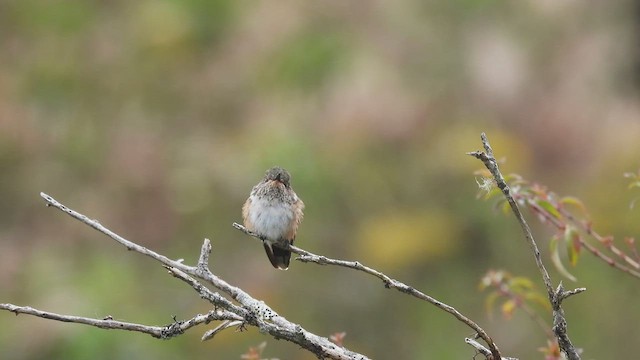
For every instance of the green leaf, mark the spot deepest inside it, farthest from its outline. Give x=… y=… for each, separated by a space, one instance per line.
x=572 y=241
x=574 y=201
x=555 y=258
x=519 y=283
x=549 y=208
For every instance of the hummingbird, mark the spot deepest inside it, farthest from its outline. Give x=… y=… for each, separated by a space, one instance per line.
x=273 y=211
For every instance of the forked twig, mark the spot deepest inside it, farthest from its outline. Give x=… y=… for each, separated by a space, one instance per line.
x=555 y=296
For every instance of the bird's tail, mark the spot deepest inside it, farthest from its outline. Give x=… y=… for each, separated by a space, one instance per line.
x=279 y=257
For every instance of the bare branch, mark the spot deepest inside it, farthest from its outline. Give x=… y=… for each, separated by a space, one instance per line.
x=555 y=297
x=249 y=310
x=203 y=261
x=390 y=283
x=492 y=165
x=253 y=312
x=565 y=294
x=161 y=332
x=224 y=325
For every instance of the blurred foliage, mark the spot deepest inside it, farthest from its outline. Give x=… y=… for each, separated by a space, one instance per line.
x=516 y=291
x=157 y=118
x=569 y=216
x=425 y=237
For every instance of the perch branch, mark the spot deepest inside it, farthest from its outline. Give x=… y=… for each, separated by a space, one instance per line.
x=252 y=311
x=308 y=257
x=555 y=297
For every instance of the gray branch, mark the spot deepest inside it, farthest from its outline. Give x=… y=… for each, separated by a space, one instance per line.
x=555 y=296
x=240 y=310
x=390 y=283
x=161 y=332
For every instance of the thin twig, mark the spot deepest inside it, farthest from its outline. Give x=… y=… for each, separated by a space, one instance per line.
x=566 y=294
x=492 y=165
x=306 y=256
x=587 y=245
x=555 y=297
x=603 y=240
x=224 y=325
x=560 y=225
x=161 y=332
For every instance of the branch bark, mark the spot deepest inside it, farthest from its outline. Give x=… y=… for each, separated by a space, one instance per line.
x=389 y=283
x=241 y=307
x=555 y=296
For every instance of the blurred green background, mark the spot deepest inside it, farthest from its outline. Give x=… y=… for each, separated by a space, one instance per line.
x=157 y=118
